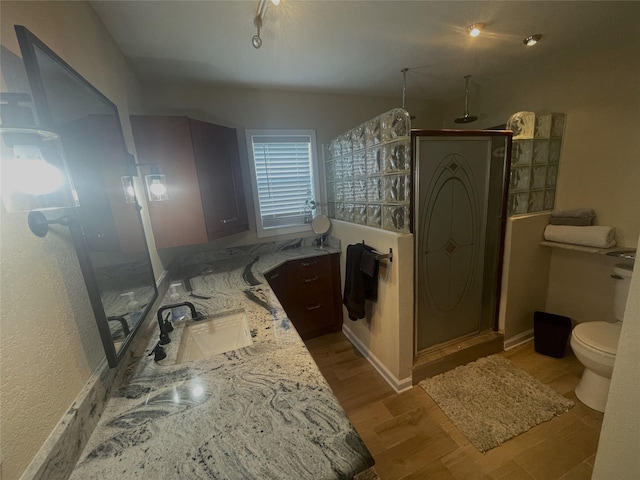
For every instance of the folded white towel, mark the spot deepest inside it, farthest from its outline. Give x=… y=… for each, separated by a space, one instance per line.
x=592 y=236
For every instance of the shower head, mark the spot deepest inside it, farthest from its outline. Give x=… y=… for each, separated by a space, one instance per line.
x=466 y=118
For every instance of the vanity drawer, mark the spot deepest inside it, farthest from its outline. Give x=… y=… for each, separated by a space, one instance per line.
x=309 y=291
x=314 y=315
x=313 y=266
x=312 y=281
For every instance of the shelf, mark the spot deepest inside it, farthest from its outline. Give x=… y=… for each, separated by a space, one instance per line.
x=596 y=250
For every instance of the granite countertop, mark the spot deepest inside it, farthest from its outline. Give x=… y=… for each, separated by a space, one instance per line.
x=259 y=412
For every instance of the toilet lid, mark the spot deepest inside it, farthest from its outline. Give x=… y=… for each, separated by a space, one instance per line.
x=602 y=336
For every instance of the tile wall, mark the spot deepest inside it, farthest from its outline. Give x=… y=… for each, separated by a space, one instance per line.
x=368 y=172
x=369 y=168
x=535 y=158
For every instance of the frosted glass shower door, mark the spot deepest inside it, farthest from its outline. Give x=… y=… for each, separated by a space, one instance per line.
x=452 y=193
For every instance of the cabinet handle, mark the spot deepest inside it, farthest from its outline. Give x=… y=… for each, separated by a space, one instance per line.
x=313 y=307
x=229 y=220
x=308 y=264
x=311 y=279
x=275 y=275
x=616 y=276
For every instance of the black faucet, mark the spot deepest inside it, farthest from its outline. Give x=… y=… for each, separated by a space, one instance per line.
x=165 y=325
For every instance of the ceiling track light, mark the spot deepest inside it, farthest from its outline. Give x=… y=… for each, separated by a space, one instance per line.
x=258 y=20
x=475 y=29
x=531 y=40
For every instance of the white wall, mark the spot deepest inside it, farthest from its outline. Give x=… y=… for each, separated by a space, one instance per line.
x=617 y=455
x=386 y=333
x=49 y=343
x=580 y=285
x=525 y=276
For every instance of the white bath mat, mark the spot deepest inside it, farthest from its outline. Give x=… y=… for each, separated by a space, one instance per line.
x=491 y=401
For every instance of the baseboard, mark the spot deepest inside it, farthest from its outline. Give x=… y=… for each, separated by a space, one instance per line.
x=398 y=385
x=518 y=340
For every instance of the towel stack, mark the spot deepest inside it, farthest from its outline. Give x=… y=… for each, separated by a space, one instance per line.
x=579 y=217
x=576 y=227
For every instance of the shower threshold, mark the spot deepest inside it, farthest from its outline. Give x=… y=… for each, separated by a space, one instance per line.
x=460 y=351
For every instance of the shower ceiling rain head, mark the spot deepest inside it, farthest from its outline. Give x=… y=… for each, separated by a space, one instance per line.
x=466 y=118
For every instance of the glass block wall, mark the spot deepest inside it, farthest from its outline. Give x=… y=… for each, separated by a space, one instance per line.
x=535 y=157
x=368 y=173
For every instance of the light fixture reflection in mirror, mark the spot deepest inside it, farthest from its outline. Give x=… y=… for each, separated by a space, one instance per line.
x=129 y=191
x=156 y=186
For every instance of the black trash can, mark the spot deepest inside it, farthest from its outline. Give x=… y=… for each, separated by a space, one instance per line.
x=550 y=333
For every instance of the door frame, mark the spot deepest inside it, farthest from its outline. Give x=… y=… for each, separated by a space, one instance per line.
x=504 y=136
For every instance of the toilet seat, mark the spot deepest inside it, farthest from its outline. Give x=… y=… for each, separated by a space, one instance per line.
x=600 y=336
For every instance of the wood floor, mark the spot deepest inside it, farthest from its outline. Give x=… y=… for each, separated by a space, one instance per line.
x=411 y=438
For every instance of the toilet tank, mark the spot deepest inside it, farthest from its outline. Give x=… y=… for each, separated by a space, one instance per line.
x=622 y=275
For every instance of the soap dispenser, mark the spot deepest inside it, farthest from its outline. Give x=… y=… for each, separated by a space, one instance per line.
x=133 y=306
x=178 y=314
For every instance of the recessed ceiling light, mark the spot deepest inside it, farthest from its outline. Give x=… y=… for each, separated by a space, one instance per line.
x=531 y=40
x=475 y=29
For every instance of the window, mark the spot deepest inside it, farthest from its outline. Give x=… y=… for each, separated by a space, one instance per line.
x=284 y=178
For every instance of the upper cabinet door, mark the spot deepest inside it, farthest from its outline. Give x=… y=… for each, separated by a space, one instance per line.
x=202 y=168
x=215 y=149
x=166 y=142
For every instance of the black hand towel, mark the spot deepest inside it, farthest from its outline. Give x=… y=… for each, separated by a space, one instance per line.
x=369 y=267
x=358 y=285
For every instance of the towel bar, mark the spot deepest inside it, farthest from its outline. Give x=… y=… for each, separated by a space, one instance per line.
x=382 y=256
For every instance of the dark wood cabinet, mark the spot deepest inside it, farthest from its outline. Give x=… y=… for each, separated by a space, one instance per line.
x=201 y=163
x=309 y=291
x=215 y=149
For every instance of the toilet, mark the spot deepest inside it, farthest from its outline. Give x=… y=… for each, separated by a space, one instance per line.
x=595 y=345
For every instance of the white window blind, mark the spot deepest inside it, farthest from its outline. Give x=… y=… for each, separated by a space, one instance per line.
x=284 y=178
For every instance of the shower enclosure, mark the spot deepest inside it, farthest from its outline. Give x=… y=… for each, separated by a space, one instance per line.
x=461 y=181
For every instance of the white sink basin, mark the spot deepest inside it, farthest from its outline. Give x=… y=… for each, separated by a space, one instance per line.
x=213 y=336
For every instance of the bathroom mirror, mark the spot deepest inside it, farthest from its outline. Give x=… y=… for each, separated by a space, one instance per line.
x=108 y=236
x=320 y=224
